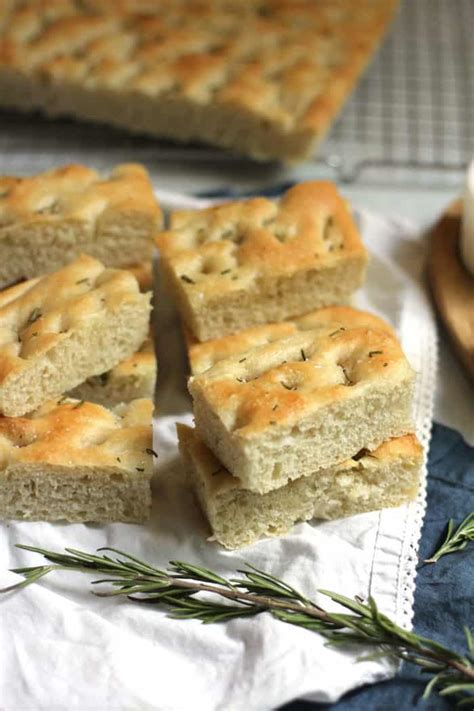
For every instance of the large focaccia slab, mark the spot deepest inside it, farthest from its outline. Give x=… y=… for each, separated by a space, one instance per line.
x=255 y=261
x=385 y=478
x=76 y=461
x=58 y=330
x=304 y=402
x=49 y=219
x=262 y=78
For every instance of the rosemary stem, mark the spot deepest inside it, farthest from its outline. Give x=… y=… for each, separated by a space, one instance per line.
x=177 y=589
x=263 y=601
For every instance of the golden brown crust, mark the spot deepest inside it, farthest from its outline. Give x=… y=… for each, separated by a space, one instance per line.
x=283 y=67
x=79 y=193
x=75 y=433
x=230 y=247
x=280 y=383
x=38 y=314
x=204 y=355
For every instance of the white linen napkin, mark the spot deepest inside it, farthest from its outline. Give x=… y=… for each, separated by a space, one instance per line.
x=61 y=647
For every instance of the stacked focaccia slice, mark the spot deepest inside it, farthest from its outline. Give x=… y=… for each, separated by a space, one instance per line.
x=73 y=340
x=303 y=419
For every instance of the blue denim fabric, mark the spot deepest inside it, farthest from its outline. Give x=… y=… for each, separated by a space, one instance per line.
x=444 y=598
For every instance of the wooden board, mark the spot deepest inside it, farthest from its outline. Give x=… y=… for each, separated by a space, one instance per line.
x=452 y=285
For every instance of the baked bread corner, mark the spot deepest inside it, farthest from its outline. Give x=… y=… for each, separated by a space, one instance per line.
x=311 y=399
x=60 y=329
x=76 y=461
x=49 y=219
x=257 y=261
x=386 y=477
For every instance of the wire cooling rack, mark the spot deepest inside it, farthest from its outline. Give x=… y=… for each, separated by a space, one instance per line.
x=415 y=105
x=414 y=108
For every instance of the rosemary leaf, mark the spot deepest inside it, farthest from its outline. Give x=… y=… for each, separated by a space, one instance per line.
x=455 y=541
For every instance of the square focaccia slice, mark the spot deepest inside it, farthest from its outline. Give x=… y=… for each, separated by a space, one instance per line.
x=134 y=377
x=386 y=477
x=60 y=329
x=49 y=219
x=257 y=261
x=203 y=356
x=76 y=461
x=307 y=401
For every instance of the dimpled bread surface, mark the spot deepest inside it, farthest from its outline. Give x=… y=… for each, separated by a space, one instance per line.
x=203 y=356
x=258 y=261
x=262 y=78
x=310 y=400
x=76 y=461
x=49 y=219
x=58 y=330
x=386 y=477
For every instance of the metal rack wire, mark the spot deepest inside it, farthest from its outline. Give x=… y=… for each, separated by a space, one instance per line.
x=414 y=108
x=415 y=105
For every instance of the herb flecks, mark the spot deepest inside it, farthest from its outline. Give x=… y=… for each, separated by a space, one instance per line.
x=362 y=453
x=348 y=381
x=34 y=315
x=151 y=452
x=186 y=279
x=334 y=333
x=188 y=591
x=303 y=355
x=140 y=469
x=288 y=387
x=86 y=280
x=455 y=540
x=78 y=405
x=374 y=353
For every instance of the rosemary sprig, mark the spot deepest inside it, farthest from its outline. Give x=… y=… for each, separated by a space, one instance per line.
x=188 y=591
x=457 y=540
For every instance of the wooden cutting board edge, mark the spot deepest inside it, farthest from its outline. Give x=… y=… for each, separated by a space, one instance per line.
x=451 y=284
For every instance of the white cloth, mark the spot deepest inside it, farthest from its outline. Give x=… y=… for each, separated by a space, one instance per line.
x=61 y=647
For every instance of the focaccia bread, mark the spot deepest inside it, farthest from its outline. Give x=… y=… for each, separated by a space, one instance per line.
x=58 y=330
x=203 y=356
x=304 y=402
x=256 y=261
x=76 y=461
x=49 y=219
x=262 y=78
x=135 y=377
x=386 y=477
